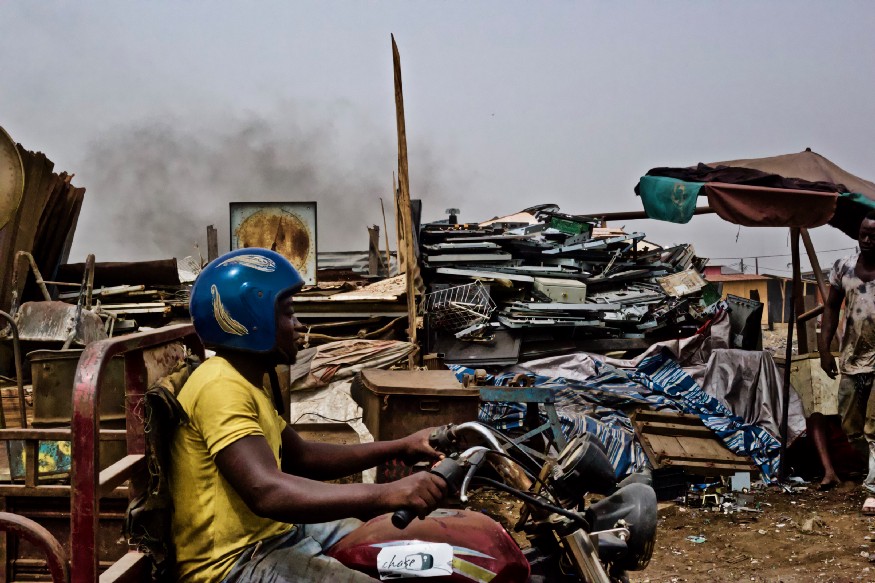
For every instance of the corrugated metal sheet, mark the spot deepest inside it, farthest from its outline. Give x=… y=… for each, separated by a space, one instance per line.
x=43 y=224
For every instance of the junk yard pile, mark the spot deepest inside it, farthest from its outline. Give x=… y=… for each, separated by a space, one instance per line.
x=548 y=325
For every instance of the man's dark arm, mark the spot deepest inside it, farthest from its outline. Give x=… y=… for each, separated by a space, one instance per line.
x=326 y=461
x=829 y=323
x=250 y=467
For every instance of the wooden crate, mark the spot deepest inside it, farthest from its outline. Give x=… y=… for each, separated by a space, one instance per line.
x=680 y=440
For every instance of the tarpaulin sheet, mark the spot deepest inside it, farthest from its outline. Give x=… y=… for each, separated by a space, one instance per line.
x=597 y=405
x=335 y=361
x=669 y=199
x=749 y=383
x=756 y=206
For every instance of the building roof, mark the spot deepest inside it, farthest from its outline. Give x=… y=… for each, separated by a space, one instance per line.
x=717 y=278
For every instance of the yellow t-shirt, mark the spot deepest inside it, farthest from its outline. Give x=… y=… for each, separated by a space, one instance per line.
x=211 y=523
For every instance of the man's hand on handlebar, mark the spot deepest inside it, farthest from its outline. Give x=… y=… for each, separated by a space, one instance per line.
x=420 y=493
x=416 y=448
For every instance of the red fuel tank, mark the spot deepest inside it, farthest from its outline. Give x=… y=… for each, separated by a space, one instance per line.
x=481 y=549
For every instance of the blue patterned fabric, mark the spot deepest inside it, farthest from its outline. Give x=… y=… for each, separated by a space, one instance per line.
x=597 y=404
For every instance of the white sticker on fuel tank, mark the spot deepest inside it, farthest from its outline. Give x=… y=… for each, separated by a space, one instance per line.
x=415 y=559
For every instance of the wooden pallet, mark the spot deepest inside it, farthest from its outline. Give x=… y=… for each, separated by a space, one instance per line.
x=679 y=440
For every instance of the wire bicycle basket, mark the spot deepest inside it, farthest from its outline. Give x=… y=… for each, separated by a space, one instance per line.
x=459 y=307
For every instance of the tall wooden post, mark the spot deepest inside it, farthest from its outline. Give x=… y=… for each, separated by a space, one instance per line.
x=386 y=233
x=795 y=289
x=404 y=203
x=798 y=292
x=212 y=243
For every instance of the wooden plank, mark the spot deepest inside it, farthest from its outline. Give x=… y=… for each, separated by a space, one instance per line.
x=644 y=440
x=48 y=491
x=660 y=428
x=119 y=472
x=60 y=434
x=673 y=439
x=134 y=567
x=725 y=456
x=668 y=447
x=705 y=467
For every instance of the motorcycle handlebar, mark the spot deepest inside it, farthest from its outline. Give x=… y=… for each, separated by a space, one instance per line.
x=446 y=438
x=451 y=471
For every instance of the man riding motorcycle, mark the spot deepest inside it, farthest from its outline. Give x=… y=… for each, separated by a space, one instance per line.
x=249 y=503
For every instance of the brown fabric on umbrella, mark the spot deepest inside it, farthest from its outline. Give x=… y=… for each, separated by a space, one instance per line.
x=806 y=165
x=756 y=206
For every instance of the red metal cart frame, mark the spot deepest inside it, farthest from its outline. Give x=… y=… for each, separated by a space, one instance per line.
x=147 y=356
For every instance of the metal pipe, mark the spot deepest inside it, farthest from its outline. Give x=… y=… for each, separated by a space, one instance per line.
x=483 y=432
x=636 y=215
x=19 y=373
x=84 y=474
x=36 y=274
x=56 y=558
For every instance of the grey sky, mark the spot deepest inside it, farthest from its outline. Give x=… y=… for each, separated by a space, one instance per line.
x=166 y=111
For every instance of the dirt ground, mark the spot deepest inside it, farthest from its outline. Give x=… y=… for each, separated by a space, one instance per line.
x=806 y=536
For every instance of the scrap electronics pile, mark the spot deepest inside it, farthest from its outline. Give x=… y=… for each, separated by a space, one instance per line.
x=543 y=282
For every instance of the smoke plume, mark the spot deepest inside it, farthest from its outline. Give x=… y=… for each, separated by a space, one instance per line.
x=153 y=186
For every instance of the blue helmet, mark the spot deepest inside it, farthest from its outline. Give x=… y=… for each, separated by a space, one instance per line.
x=233 y=300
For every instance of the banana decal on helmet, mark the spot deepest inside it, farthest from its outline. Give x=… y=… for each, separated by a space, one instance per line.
x=226 y=322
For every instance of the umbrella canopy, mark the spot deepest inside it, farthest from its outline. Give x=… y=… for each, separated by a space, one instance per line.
x=791 y=190
x=806 y=165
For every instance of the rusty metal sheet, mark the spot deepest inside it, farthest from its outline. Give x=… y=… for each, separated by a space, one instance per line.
x=54 y=321
x=107 y=274
x=289 y=228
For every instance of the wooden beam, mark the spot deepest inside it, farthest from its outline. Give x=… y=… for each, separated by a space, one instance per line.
x=119 y=472
x=212 y=243
x=404 y=211
x=386 y=234
x=133 y=567
x=815 y=265
x=676 y=429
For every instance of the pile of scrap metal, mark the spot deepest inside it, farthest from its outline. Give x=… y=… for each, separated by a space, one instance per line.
x=543 y=282
x=348 y=310
x=130 y=295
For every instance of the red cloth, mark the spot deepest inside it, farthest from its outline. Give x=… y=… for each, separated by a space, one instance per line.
x=758 y=206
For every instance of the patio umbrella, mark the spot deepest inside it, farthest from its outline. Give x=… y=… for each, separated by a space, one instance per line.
x=799 y=191
x=792 y=190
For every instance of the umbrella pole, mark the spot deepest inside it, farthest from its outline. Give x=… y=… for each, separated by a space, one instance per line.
x=788 y=355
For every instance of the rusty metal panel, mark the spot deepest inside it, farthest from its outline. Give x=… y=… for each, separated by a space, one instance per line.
x=111 y=273
x=54 y=321
x=289 y=228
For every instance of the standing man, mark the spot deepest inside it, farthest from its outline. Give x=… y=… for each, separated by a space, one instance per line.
x=853 y=281
x=250 y=504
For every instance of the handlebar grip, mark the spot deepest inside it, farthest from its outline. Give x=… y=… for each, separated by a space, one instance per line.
x=401 y=519
x=442 y=438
